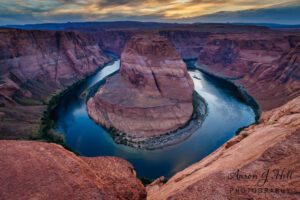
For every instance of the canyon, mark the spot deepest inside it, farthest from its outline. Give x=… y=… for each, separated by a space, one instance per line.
x=152 y=94
x=35 y=65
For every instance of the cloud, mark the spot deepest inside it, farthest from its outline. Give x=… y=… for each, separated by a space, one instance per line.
x=117 y=2
x=36 y=11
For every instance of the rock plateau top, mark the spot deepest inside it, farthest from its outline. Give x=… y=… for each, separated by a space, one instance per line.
x=38 y=170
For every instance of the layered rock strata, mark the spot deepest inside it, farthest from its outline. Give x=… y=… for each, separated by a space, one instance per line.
x=152 y=94
x=34 y=65
x=267 y=65
x=36 y=170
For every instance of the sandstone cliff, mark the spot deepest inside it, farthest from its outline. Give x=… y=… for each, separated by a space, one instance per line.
x=34 y=65
x=35 y=170
x=267 y=65
x=152 y=94
x=112 y=40
x=272 y=144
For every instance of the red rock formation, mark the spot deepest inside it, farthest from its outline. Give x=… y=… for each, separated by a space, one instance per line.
x=267 y=65
x=151 y=96
x=272 y=145
x=36 y=170
x=111 y=40
x=188 y=43
x=34 y=65
x=45 y=59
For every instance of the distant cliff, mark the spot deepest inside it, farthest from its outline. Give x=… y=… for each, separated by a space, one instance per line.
x=267 y=65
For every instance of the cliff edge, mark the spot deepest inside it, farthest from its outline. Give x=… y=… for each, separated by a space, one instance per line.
x=37 y=170
x=262 y=162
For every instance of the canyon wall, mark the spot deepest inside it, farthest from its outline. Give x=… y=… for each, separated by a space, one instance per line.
x=189 y=40
x=112 y=40
x=266 y=65
x=262 y=162
x=36 y=65
x=36 y=170
x=187 y=43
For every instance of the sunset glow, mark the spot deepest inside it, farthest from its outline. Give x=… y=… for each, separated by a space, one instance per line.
x=34 y=11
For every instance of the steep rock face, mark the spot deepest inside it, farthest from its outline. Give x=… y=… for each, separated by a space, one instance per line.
x=152 y=64
x=187 y=43
x=151 y=95
x=189 y=40
x=44 y=59
x=112 y=40
x=35 y=170
x=33 y=66
x=267 y=65
x=272 y=145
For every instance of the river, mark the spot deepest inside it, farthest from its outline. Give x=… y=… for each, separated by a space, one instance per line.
x=227 y=113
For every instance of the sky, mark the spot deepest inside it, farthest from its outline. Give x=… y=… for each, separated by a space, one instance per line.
x=49 y=11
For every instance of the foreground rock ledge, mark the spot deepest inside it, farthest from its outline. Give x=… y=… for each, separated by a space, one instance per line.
x=152 y=94
x=272 y=144
x=36 y=170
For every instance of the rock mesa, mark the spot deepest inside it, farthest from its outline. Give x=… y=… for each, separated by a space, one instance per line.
x=152 y=93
